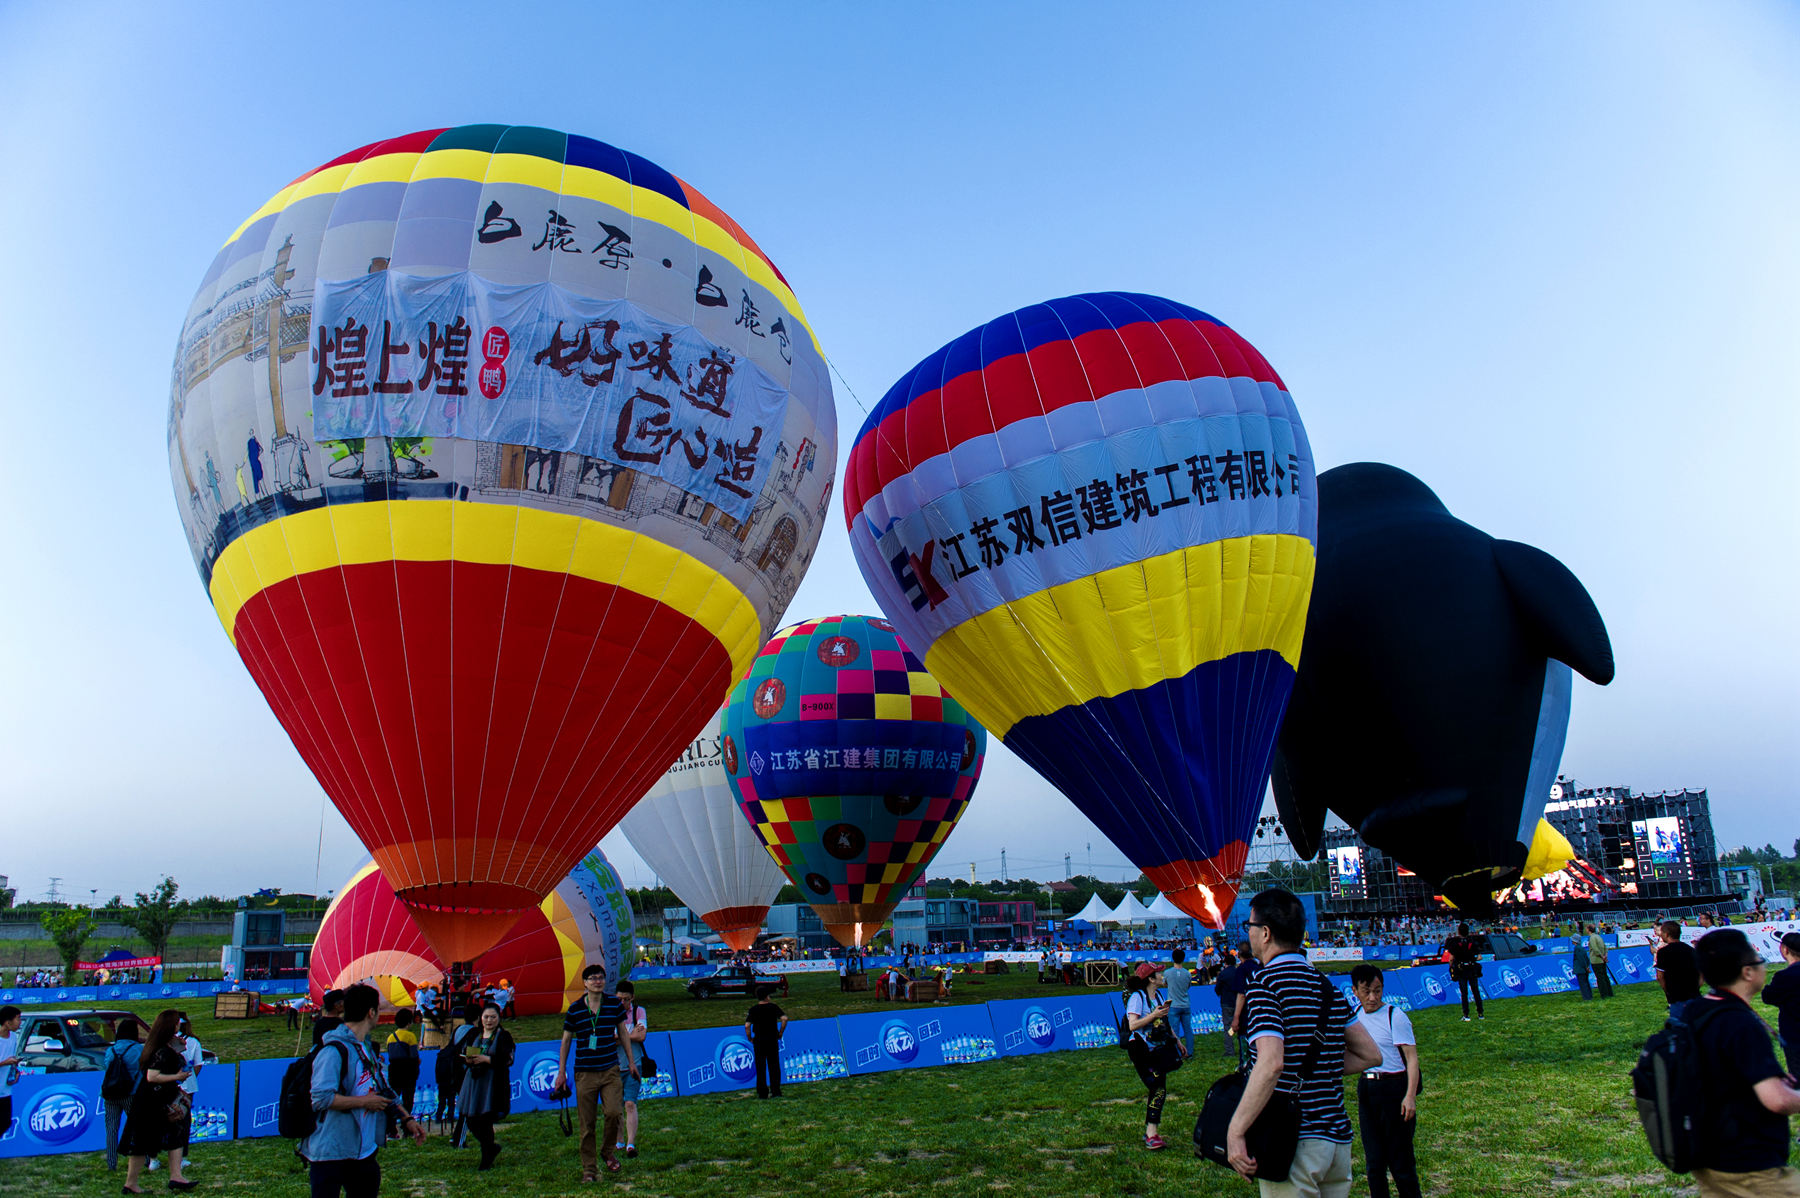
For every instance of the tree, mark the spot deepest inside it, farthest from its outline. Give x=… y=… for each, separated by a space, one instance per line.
x=69 y=930
x=153 y=919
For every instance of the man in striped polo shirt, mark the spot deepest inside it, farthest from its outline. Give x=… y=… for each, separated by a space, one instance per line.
x=594 y=1026
x=1282 y=1007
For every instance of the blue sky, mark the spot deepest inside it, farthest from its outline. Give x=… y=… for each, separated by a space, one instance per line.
x=1545 y=258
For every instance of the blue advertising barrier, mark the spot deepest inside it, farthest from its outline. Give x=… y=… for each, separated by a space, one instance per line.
x=25 y=996
x=215 y=1105
x=709 y=1060
x=534 y=1073
x=258 y=1092
x=1025 y=1026
x=913 y=1037
x=55 y=1112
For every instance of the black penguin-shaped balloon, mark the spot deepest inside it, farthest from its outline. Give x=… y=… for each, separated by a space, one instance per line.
x=1432 y=696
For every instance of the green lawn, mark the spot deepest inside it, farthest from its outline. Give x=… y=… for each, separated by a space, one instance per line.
x=1531 y=1101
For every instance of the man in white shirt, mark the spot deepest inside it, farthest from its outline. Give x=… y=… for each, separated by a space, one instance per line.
x=1387 y=1095
x=10 y=1018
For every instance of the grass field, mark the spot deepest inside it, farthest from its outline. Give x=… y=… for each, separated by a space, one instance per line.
x=1531 y=1101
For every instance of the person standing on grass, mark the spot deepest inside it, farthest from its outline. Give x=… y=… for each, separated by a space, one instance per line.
x=1596 y=947
x=486 y=1096
x=1465 y=968
x=1783 y=993
x=351 y=1098
x=1147 y=1020
x=10 y=1018
x=765 y=1025
x=1677 y=970
x=637 y=1027
x=1387 y=1095
x=151 y=1125
x=403 y=1057
x=593 y=1026
x=1282 y=1015
x=127 y=1044
x=1745 y=1099
x=194 y=1056
x=1181 y=1014
x=1578 y=961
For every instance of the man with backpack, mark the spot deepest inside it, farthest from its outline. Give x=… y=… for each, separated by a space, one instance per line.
x=350 y=1101
x=1719 y=1068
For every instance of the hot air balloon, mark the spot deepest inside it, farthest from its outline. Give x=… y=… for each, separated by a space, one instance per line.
x=367 y=933
x=1432 y=708
x=1094 y=519
x=535 y=445
x=689 y=830
x=851 y=763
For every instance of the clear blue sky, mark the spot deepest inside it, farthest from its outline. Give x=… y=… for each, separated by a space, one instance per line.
x=1546 y=258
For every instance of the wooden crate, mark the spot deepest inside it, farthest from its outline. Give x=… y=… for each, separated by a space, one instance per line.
x=996 y=967
x=1100 y=973
x=858 y=980
x=236 y=1004
x=922 y=990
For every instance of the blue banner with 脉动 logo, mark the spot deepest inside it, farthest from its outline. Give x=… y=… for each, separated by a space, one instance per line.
x=55 y=1112
x=215 y=1105
x=258 y=1095
x=709 y=1060
x=534 y=1073
x=911 y=1037
x=1028 y=1025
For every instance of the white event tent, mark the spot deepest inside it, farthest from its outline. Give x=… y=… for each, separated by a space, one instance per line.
x=1130 y=910
x=1162 y=908
x=1096 y=912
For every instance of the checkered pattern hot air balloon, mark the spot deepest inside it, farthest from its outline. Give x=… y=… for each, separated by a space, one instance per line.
x=499 y=451
x=851 y=763
x=1094 y=519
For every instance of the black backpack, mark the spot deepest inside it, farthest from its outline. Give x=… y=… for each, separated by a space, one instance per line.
x=118 y=1082
x=1668 y=1082
x=294 y=1114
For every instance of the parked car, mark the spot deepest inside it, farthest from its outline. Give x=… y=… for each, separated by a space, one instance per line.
x=72 y=1041
x=736 y=979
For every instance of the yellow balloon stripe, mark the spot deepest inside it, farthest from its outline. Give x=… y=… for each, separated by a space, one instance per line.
x=554 y=179
x=432 y=530
x=1128 y=628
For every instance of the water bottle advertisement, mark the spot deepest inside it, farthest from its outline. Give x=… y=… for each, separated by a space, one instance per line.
x=1024 y=1026
x=710 y=1060
x=910 y=1038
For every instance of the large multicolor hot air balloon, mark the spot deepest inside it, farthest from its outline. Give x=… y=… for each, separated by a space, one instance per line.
x=689 y=830
x=851 y=763
x=367 y=934
x=1095 y=520
x=499 y=451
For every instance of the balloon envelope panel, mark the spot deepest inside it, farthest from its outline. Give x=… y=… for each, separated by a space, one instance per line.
x=688 y=829
x=851 y=763
x=368 y=934
x=499 y=450
x=1095 y=520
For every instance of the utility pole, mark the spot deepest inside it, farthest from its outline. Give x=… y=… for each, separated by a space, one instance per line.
x=971 y=873
x=54 y=895
x=1066 y=874
x=1090 y=849
x=1003 y=865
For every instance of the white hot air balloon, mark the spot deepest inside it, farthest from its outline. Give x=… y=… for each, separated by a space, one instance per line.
x=689 y=830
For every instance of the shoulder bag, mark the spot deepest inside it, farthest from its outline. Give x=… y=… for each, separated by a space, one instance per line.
x=1275 y=1136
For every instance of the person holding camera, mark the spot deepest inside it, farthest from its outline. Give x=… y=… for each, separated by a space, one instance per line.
x=1465 y=968
x=1151 y=1044
x=353 y=1098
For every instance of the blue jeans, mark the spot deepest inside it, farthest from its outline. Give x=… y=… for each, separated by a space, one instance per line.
x=1181 y=1022
x=1583 y=976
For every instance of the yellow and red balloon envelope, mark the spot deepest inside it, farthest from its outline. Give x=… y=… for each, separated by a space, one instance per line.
x=1094 y=518
x=368 y=934
x=499 y=451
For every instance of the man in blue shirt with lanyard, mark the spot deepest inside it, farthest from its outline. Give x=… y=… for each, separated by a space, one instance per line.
x=595 y=1024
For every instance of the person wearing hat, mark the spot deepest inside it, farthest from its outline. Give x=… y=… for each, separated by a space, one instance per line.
x=1147 y=1024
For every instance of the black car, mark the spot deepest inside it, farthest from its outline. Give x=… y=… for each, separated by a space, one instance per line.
x=736 y=979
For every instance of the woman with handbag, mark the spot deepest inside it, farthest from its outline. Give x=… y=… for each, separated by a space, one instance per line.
x=159 y=1120
x=1153 y=1049
x=486 y=1095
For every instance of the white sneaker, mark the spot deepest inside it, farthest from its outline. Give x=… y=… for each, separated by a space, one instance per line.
x=1465 y=1019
